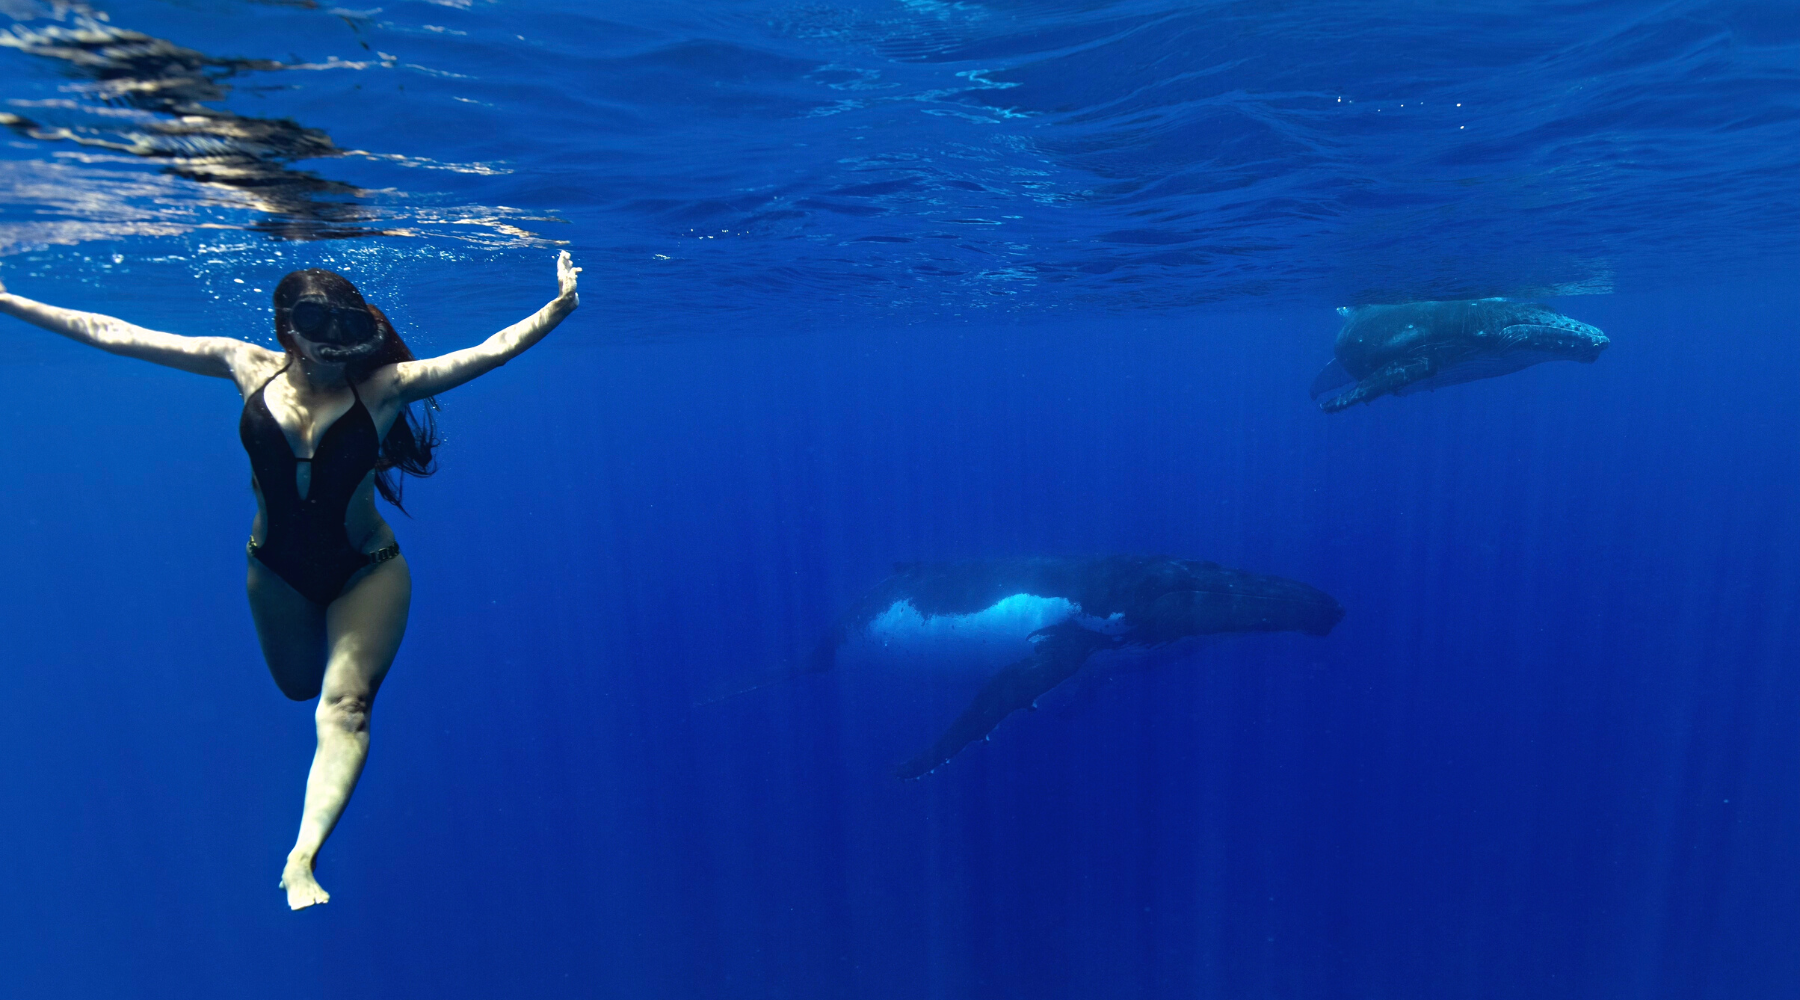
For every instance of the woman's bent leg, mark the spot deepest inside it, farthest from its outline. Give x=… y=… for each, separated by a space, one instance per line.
x=291 y=630
x=363 y=630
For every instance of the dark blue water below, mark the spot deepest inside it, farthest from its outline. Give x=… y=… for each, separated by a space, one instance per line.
x=1550 y=752
x=900 y=280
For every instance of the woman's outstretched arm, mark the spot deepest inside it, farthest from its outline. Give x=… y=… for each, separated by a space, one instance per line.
x=414 y=380
x=219 y=357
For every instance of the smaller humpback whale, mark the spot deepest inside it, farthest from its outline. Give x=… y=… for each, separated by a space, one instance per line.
x=1402 y=349
x=1048 y=616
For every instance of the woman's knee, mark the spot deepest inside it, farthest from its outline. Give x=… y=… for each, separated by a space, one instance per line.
x=347 y=711
x=291 y=630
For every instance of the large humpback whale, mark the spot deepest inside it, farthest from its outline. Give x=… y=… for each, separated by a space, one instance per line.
x=1425 y=345
x=1049 y=615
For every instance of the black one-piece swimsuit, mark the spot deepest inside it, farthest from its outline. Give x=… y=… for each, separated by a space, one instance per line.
x=304 y=541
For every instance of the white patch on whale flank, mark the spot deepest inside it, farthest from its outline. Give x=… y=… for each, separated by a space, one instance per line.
x=1012 y=617
x=981 y=642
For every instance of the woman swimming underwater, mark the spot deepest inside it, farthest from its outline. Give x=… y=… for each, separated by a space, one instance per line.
x=326 y=422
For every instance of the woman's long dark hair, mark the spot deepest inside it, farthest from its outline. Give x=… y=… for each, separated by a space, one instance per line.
x=410 y=441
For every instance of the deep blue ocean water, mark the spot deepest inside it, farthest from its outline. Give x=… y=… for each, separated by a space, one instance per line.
x=913 y=280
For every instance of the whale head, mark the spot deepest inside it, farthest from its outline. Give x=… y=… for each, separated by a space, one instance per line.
x=1534 y=328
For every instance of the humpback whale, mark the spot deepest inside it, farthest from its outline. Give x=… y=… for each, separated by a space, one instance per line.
x=1402 y=349
x=1048 y=616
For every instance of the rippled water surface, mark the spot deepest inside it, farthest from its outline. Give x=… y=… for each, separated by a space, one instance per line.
x=918 y=157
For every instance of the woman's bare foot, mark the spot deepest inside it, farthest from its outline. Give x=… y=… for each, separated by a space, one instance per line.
x=303 y=890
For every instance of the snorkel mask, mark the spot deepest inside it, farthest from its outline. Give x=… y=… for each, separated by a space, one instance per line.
x=337 y=333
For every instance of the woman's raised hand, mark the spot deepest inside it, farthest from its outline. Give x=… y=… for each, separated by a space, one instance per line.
x=565 y=278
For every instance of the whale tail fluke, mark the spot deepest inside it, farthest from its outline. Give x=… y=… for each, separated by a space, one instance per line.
x=822 y=658
x=734 y=686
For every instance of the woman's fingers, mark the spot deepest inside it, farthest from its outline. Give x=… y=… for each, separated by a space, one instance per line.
x=566 y=272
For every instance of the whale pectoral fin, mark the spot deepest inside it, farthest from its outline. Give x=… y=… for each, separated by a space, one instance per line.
x=1086 y=692
x=1390 y=379
x=1059 y=653
x=1475 y=368
x=1329 y=378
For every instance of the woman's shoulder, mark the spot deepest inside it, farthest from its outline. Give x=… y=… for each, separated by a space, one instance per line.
x=380 y=381
x=254 y=364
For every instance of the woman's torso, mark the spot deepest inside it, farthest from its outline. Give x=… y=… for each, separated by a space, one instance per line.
x=320 y=426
